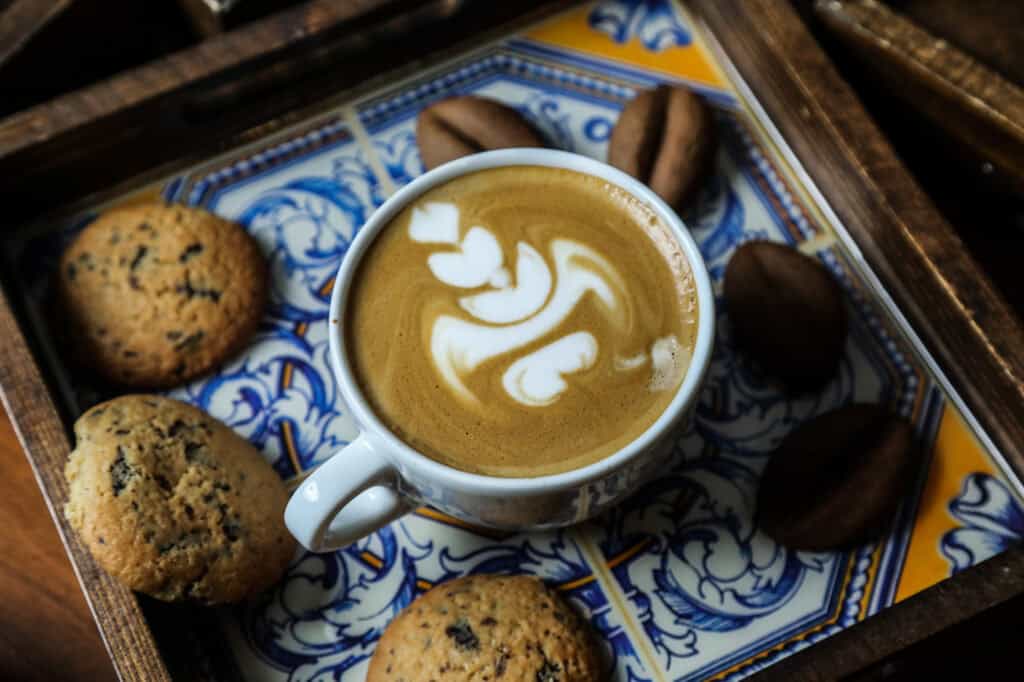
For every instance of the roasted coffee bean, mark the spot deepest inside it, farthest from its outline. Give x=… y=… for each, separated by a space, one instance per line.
x=665 y=138
x=837 y=479
x=787 y=313
x=461 y=126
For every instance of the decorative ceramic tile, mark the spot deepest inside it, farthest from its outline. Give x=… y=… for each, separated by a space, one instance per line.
x=303 y=199
x=678 y=580
x=708 y=588
x=323 y=620
x=992 y=520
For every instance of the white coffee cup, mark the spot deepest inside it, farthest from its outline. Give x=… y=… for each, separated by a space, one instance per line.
x=377 y=477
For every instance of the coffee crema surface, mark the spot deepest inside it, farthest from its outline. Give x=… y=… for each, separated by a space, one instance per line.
x=522 y=321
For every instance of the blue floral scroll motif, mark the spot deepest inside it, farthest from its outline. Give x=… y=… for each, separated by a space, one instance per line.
x=281 y=395
x=548 y=114
x=558 y=562
x=608 y=623
x=992 y=518
x=328 y=612
x=324 y=618
x=306 y=226
x=400 y=156
x=712 y=570
x=248 y=396
x=655 y=22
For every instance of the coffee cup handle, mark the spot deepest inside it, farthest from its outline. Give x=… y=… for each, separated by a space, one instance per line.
x=348 y=497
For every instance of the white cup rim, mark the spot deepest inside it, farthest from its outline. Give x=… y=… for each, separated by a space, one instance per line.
x=402 y=455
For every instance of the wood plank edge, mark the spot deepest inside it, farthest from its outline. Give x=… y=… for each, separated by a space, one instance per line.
x=945 y=67
x=40 y=431
x=22 y=19
x=900 y=626
x=189 y=67
x=978 y=109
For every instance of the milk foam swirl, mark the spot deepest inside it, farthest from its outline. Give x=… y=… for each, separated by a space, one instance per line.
x=521 y=321
x=512 y=314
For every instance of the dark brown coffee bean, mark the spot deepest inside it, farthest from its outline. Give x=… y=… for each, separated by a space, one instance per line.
x=665 y=138
x=837 y=479
x=787 y=313
x=461 y=126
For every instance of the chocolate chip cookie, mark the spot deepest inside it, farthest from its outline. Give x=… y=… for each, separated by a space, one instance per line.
x=156 y=294
x=173 y=503
x=513 y=629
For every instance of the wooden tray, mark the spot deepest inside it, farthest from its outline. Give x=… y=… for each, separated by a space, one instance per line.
x=801 y=162
x=972 y=104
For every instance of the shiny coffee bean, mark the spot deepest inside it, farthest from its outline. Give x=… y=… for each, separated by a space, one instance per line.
x=665 y=138
x=837 y=479
x=461 y=126
x=786 y=312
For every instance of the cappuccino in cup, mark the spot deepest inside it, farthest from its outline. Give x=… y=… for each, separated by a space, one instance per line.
x=522 y=321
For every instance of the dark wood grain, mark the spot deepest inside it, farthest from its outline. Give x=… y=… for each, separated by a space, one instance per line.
x=984 y=647
x=45 y=624
x=205 y=99
x=140 y=117
x=206 y=19
x=21 y=19
x=972 y=104
x=87 y=43
x=193 y=65
x=212 y=17
x=991 y=30
x=41 y=433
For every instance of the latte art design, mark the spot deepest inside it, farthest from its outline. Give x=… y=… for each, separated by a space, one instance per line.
x=511 y=315
x=521 y=321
